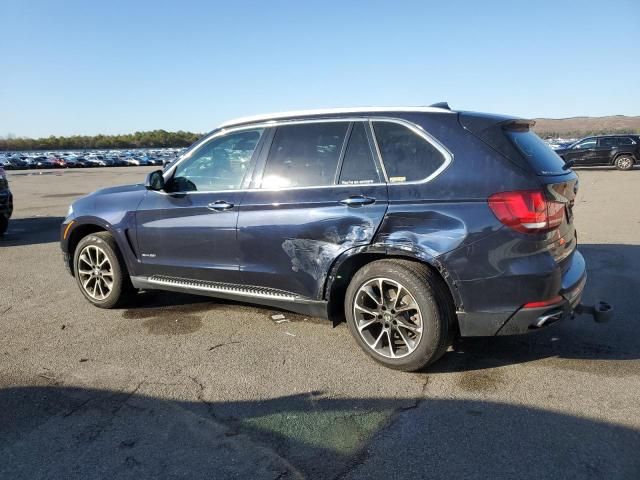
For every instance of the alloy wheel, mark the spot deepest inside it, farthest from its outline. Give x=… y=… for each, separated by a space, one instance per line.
x=387 y=318
x=624 y=163
x=95 y=272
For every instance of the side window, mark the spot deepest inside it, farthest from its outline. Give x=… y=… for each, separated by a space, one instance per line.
x=625 y=141
x=406 y=156
x=304 y=155
x=219 y=164
x=608 y=142
x=588 y=143
x=358 y=166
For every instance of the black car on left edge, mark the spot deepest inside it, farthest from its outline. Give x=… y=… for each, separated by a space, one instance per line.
x=6 y=202
x=620 y=151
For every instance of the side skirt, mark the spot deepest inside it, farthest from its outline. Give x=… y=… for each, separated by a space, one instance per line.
x=242 y=293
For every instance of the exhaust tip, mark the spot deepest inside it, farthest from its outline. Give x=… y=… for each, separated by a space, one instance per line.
x=547 y=319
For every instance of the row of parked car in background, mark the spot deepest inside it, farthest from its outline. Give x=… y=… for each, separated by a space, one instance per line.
x=84 y=159
x=620 y=151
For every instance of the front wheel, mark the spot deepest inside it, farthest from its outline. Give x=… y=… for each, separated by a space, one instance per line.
x=4 y=225
x=400 y=313
x=100 y=271
x=624 y=162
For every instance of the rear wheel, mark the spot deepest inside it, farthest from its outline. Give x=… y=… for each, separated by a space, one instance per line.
x=4 y=225
x=624 y=162
x=400 y=313
x=100 y=271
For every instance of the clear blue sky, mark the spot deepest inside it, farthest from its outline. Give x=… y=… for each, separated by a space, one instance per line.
x=88 y=67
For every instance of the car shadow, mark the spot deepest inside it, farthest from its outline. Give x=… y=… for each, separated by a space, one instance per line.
x=612 y=270
x=605 y=347
x=31 y=231
x=55 y=431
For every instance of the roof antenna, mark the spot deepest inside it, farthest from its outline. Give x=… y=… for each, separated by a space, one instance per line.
x=444 y=105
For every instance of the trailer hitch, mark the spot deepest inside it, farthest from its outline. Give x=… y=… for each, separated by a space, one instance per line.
x=601 y=312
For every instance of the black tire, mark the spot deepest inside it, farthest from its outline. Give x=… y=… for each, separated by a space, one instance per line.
x=432 y=297
x=122 y=290
x=4 y=225
x=624 y=162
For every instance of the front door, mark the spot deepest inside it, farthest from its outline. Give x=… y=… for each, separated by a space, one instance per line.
x=583 y=153
x=319 y=192
x=189 y=230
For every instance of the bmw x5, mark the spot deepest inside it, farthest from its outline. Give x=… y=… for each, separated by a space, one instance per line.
x=413 y=224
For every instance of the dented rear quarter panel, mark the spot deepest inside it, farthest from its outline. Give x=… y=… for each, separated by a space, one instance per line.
x=290 y=238
x=439 y=220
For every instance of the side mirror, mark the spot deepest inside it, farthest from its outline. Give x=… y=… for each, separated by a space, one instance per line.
x=155 y=181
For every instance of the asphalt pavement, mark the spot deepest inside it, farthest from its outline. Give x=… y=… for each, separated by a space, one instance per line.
x=180 y=386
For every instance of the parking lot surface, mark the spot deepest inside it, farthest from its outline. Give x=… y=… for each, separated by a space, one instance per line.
x=179 y=386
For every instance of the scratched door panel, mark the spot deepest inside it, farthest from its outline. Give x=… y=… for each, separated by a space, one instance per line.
x=288 y=239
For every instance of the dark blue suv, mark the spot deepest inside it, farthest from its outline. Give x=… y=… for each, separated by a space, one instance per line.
x=413 y=224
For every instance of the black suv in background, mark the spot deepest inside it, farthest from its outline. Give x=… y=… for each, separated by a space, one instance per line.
x=621 y=151
x=6 y=202
x=414 y=224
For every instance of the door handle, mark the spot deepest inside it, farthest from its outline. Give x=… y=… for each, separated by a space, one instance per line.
x=220 y=205
x=357 y=200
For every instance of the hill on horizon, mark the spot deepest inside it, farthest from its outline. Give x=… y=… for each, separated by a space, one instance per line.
x=583 y=126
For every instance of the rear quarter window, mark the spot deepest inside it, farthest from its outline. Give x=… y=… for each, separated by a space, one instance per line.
x=407 y=157
x=538 y=154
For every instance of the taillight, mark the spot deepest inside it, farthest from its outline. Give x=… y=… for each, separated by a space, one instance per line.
x=527 y=211
x=544 y=303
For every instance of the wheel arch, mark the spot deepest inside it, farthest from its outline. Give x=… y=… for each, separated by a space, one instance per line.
x=354 y=259
x=622 y=154
x=86 y=226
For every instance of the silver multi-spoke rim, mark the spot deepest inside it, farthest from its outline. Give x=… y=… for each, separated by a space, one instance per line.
x=624 y=162
x=95 y=272
x=388 y=318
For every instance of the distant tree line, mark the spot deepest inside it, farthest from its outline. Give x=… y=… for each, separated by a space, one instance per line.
x=151 y=139
x=162 y=138
x=584 y=133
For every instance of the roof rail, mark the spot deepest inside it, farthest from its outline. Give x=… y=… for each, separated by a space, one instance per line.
x=332 y=111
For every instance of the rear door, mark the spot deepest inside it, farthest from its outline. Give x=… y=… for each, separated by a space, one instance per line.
x=319 y=192
x=605 y=149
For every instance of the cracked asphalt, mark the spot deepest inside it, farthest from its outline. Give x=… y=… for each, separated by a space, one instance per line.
x=179 y=386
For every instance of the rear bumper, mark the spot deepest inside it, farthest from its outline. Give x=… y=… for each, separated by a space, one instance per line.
x=527 y=319
x=524 y=320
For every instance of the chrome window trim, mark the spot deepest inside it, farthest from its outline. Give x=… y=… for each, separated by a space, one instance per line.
x=418 y=130
x=421 y=132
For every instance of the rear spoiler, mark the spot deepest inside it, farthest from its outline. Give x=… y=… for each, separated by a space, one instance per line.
x=477 y=123
x=519 y=125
